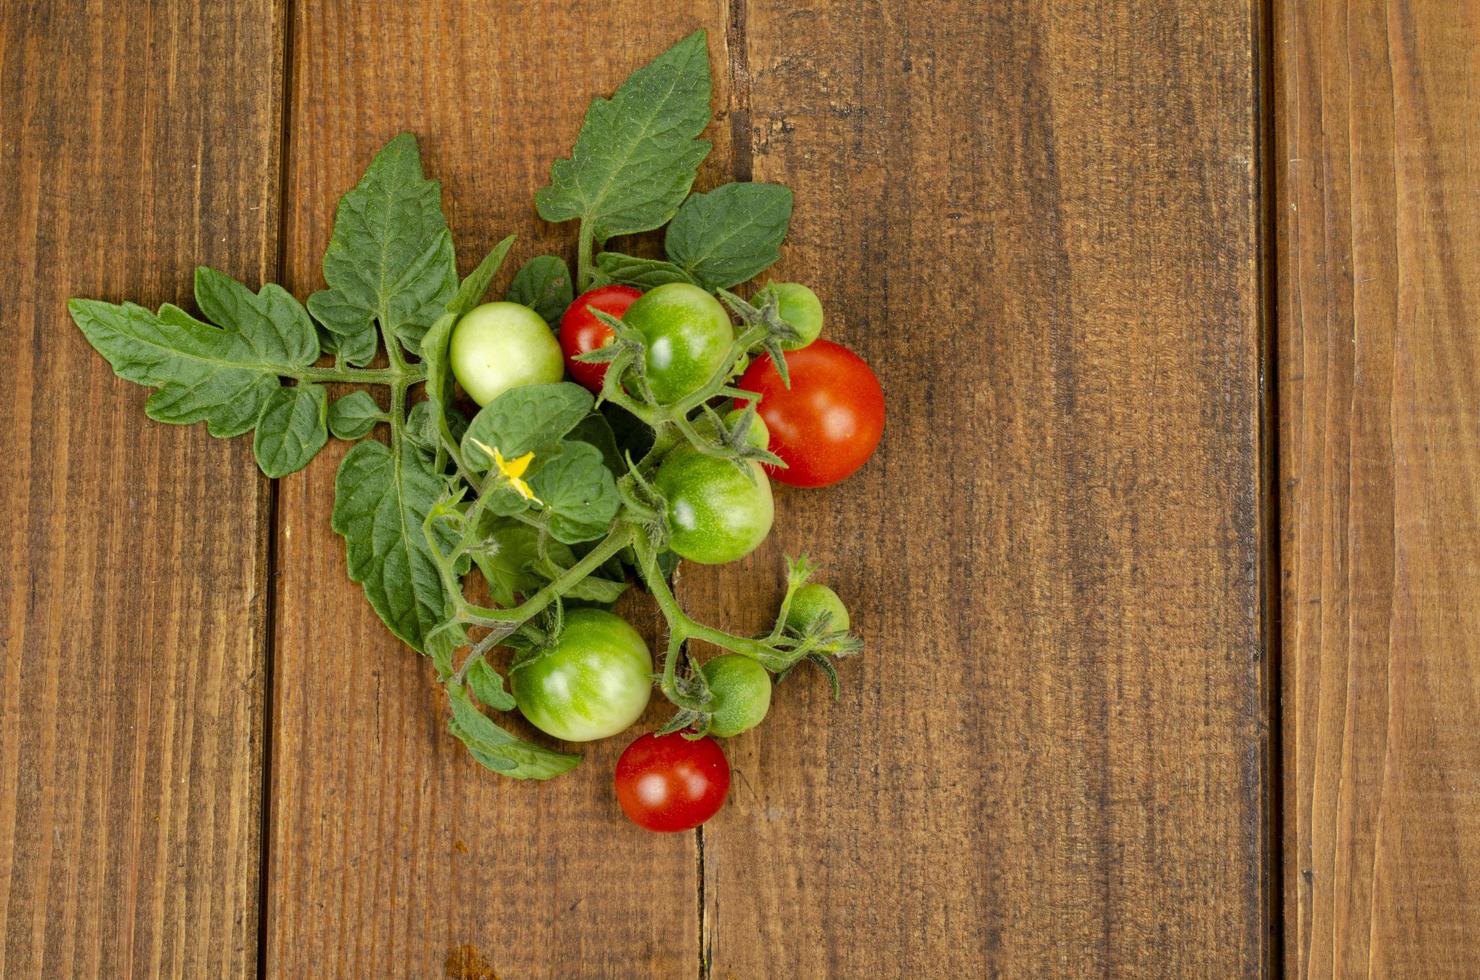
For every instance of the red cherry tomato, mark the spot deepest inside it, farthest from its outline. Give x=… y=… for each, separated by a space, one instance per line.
x=668 y=783
x=581 y=331
x=828 y=423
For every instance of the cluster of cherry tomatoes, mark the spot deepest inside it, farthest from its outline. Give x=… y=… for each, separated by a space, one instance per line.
x=823 y=421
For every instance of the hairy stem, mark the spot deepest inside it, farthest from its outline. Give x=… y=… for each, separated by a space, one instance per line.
x=619 y=538
x=352 y=375
x=584 y=273
x=682 y=626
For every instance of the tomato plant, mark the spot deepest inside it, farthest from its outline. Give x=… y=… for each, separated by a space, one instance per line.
x=669 y=783
x=593 y=681
x=581 y=331
x=520 y=526
x=499 y=346
x=828 y=422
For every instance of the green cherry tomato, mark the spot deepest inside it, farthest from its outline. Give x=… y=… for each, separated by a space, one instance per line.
x=813 y=601
x=499 y=346
x=742 y=694
x=798 y=306
x=688 y=335
x=716 y=513
x=592 y=682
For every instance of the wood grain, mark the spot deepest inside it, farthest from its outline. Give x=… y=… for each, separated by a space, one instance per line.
x=1379 y=387
x=1039 y=224
x=139 y=139
x=392 y=852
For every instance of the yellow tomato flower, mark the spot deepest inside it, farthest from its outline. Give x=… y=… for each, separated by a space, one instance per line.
x=512 y=470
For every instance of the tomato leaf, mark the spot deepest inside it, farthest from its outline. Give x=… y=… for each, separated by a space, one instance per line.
x=291 y=429
x=523 y=420
x=637 y=153
x=380 y=504
x=475 y=286
x=506 y=559
x=597 y=431
x=579 y=493
x=354 y=415
x=224 y=376
x=511 y=565
x=443 y=642
x=543 y=284
x=645 y=274
x=593 y=589
x=496 y=749
x=390 y=259
x=730 y=234
x=488 y=687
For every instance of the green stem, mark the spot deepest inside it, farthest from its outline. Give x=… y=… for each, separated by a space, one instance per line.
x=392 y=344
x=584 y=275
x=670 y=666
x=648 y=414
x=684 y=627
x=398 y=420
x=368 y=376
x=619 y=538
x=662 y=418
x=721 y=377
x=479 y=651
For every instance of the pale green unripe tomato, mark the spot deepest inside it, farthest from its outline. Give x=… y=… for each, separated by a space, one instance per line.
x=498 y=346
x=798 y=306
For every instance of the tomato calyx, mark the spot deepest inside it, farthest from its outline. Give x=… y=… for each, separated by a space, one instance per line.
x=740 y=434
x=693 y=699
x=775 y=332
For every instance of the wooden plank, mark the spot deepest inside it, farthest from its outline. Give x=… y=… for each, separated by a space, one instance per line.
x=1379 y=382
x=140 y=139
x=391 y=850
x=1039 y=223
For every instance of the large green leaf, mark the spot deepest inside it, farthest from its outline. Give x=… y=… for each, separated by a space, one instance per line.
x=390 y=259
x=730 y=234
x=635 y=158
x=224 y=376
x=380 y=504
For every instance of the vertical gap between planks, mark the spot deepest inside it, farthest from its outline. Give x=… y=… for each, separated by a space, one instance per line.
x=1271 y=594
x=703 y=947
x=274 y=493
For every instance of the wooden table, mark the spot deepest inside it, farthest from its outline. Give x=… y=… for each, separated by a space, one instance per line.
x=1168 y=564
